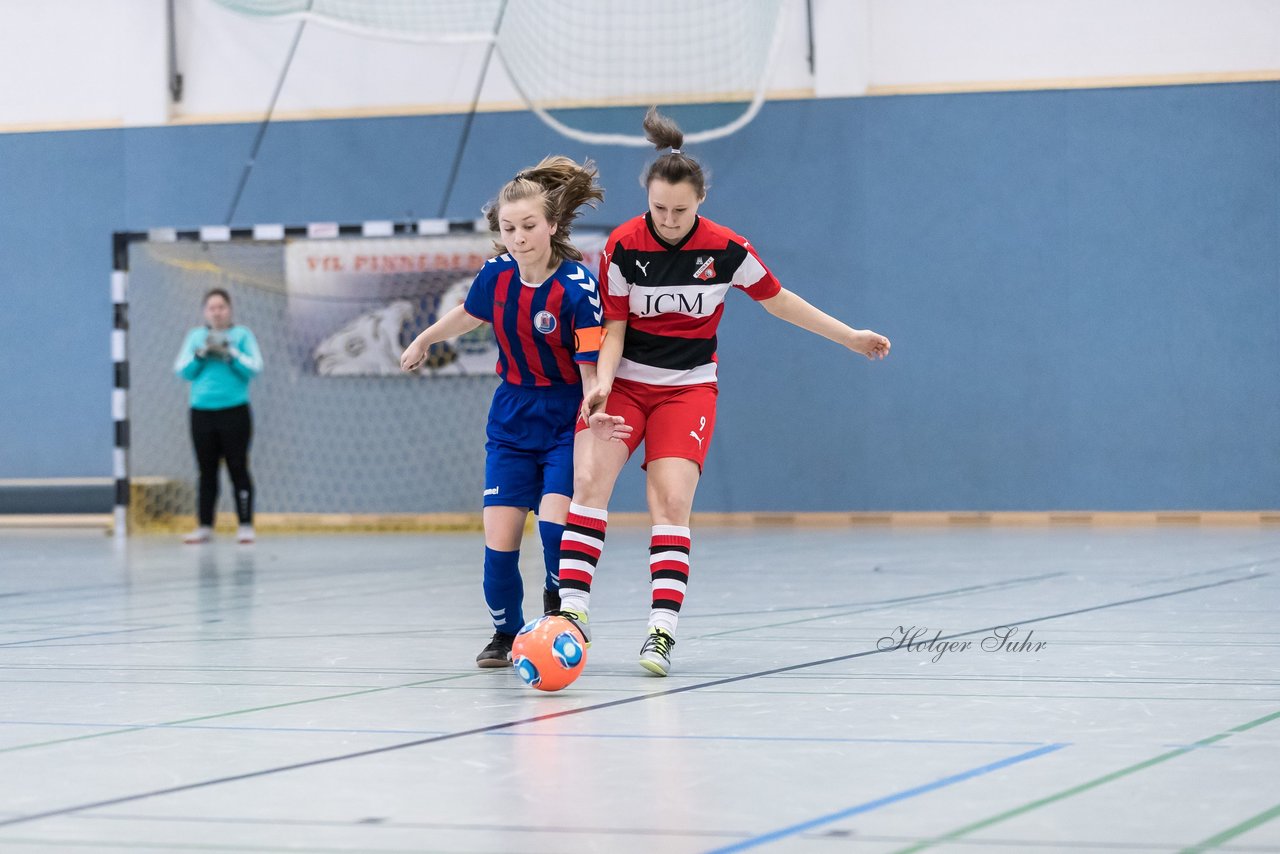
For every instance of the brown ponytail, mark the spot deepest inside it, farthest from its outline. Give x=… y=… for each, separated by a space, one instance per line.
x=674 y=166
x=563 y=186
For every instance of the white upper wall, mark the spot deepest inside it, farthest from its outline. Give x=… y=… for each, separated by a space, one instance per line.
x=87 y=63
x=938 y=45
x=82 y=62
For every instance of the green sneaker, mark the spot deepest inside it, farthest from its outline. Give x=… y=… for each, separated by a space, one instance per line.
x=655 y=655
x=579 y=620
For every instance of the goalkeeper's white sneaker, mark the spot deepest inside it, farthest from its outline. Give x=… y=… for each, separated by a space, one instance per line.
x=245 y=535
x=198 y=536
x=655 y=655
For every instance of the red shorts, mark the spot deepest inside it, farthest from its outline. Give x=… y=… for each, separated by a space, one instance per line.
x=672 y=421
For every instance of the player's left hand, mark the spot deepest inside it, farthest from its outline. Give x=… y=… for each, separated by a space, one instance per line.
x=594 y=400
x=873 y=345
x=609 y=428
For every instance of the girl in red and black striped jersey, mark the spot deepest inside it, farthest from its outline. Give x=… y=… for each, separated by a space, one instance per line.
x=545 y=309
x=665 y=276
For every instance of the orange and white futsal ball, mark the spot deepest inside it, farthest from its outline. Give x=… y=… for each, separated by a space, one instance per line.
x=549 y=653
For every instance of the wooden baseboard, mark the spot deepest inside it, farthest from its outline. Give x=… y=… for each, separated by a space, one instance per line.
x=1121 y=81
x=298 y=523
x=959 y=518
x=443 y=522
x=56 y=520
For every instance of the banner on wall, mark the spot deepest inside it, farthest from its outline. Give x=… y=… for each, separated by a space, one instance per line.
x=354 y=304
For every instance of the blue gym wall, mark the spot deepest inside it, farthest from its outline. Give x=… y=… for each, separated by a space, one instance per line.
x=1081 y=287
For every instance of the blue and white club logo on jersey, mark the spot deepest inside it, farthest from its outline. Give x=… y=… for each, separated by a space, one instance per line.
x=544 y=322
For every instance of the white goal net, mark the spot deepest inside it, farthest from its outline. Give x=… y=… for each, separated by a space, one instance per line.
x=567 y=58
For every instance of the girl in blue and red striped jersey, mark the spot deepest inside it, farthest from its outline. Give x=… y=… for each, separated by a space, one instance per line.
x=666 y=275
x=545 y=308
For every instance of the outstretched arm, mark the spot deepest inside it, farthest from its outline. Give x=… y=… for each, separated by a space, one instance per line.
x=455 y=322
x=615 y=332
x=794 y=310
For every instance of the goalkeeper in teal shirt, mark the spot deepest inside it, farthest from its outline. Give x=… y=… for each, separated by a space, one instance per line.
x=219 y=359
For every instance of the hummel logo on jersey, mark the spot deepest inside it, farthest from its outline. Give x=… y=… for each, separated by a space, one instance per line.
x=644 y=268
x=492 y=490
x=584 y=281
x=706 y=268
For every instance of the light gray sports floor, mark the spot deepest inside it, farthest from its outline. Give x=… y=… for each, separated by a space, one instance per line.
x=319 y=694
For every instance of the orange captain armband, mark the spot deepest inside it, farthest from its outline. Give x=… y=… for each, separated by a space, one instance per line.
x=588 y=340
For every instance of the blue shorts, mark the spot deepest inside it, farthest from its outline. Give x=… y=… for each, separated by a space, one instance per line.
x=529 y=452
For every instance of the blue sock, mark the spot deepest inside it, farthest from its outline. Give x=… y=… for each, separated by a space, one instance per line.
x=504 y=590
x=551 y=532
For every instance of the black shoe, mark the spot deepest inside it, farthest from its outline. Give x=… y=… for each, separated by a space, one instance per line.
x=550 y=601
x=498 y=652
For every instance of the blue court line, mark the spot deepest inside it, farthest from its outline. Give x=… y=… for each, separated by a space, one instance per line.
x=880 y=605
x=89 y=635
x=509 y=734
x=868 y=806
x=786 y=738
x=580 y=710
x=1253 y=564
x=140 y=727
x=896 y=600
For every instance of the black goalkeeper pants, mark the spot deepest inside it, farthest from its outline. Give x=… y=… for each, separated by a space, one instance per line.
x=223 y=434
